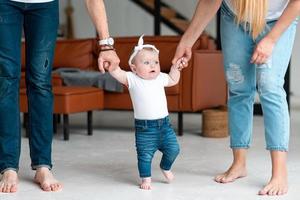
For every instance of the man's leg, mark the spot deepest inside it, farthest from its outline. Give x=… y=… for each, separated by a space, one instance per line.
x=40 y=26
x=11 y=20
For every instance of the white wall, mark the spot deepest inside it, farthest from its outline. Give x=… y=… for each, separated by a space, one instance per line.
x=187 y=8
x=125 y=18
x=83 y=26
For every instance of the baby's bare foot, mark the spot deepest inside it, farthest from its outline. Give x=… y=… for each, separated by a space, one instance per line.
x=146 y=183
x=168 y=175
x=233 y=173
x=45 y=179
x=9 y=182
x=276 y=186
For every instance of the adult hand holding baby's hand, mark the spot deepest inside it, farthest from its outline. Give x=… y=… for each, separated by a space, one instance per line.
x=182 y=63
x=108 y=60
x=183 y=54
x=179 y=65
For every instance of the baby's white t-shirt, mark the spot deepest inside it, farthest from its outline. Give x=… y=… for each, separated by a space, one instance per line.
x=148 y=96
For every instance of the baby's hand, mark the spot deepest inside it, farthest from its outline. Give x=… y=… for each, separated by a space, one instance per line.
x=182 y=62
x=179 y=65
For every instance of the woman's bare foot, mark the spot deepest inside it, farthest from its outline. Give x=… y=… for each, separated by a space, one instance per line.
x=233 y=173
x=168 y=175
x=237 y=169
x=146 y=184
x=45 y=179
x=9 y=182
x=278 y=184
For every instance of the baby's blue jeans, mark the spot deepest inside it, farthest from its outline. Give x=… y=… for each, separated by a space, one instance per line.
x=153 y=135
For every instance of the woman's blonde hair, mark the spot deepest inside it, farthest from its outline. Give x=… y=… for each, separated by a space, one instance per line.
x=253 y=12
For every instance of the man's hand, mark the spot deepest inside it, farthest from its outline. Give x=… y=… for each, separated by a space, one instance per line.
x=108 y=60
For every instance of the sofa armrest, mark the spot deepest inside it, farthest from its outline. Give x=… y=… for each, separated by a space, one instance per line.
x=208 y=80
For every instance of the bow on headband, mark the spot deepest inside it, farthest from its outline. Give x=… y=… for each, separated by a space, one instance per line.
x=139 y=47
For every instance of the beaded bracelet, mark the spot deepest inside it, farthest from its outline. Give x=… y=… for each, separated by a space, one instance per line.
x=110 y=49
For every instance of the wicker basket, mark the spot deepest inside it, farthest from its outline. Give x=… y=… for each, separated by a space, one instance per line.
x=215 y=123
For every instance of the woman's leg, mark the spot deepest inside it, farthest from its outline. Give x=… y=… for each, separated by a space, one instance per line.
x=276 y=116
x=237 y=46
x=278 y=185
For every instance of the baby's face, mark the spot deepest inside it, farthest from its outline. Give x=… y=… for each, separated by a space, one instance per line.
x=146 y=64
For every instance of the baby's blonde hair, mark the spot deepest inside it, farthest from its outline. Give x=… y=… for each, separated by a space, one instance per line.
x=253 y=12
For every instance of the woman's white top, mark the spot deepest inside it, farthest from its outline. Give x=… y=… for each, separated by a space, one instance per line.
x=275 y=10
x=33 y=1
x=148 y=96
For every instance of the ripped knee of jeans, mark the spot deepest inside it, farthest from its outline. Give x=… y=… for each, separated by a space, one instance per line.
x=234 y=74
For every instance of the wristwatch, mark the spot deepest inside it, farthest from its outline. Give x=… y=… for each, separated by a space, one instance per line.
x=107 y=41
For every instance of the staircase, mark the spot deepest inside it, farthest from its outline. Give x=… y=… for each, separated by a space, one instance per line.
x=168 y=15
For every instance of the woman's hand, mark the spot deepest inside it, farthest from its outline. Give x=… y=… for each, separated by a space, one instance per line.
x=263 y=51
x=184 y=54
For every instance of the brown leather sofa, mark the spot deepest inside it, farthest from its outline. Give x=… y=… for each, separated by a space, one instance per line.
x=201 y=86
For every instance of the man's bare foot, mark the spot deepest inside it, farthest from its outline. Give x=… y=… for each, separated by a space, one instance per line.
x=45 y=179
x=146 y=183
x=9 y=182
x=168 y=175
x=234 y=172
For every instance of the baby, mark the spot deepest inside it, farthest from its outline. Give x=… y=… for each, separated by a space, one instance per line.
x=153 y=130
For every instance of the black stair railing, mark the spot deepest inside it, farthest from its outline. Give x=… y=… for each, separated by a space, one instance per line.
x=158 y=18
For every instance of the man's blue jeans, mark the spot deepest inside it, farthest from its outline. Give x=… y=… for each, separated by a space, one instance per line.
x=153 y=135
x=244 y=78
x=40 y=23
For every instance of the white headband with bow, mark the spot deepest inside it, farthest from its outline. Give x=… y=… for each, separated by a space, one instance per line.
x=139 y=47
